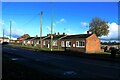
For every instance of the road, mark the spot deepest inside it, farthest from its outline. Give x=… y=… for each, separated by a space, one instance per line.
x=64 y=66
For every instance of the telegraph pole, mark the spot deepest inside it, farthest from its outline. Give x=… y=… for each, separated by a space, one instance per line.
x=51 y=29
x=10 y=30
x=41 y=29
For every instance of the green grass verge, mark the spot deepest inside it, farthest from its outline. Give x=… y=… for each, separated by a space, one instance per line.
x=34 y=47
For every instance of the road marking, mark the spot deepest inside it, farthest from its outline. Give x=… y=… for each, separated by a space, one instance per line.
x=14 y=59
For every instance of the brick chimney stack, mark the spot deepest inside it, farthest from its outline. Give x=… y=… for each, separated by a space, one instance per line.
x=88 y=32
x=63 y=33
x=55 y=34
x=58 y=33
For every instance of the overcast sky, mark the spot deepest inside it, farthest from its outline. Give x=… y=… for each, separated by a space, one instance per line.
x=71 y=18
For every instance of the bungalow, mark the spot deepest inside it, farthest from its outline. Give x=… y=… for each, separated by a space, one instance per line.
x=88 y=43
x=4 y=39
x=28 y=41
x=32 y=41
x=22 y=38
x=55 y=40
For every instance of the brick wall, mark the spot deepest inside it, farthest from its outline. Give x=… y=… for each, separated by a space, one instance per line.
x=93 y=44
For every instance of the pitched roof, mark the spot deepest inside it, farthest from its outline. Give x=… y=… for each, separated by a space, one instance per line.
x=24 y=36
x=55 y=37
x=35 y=38
x=39 y=37
x=4 y=38
x=82 y=36
x=29 y=38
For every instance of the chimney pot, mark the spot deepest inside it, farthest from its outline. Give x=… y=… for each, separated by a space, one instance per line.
x=63 y=33
x=58 y=33
x=88 y=32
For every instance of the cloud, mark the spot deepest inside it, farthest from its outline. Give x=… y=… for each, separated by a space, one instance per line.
x=1 y=27
x=68 y=31
x=54 y=24
x=61 y=21
x=113 y=34
x=15 y=33
x=1 y=23
x=84 y=24
x=49 y=29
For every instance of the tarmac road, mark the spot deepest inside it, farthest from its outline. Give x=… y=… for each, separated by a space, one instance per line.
x=62 y=66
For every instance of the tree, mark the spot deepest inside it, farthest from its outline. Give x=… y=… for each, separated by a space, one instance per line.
x=99 y=27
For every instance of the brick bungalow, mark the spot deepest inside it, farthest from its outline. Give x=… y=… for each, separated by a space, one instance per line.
x=28 y=41
x=88 y=43
x=22 y=38
x=4 y=39
x=55 y=40
x=32 y=41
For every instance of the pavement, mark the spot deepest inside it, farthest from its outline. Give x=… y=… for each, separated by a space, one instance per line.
x=62 y=66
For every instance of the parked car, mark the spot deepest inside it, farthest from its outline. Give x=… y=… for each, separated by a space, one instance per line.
x=5 y=43
x=118 y=51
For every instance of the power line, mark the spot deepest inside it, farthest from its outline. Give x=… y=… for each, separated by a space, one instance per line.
x=33 y=18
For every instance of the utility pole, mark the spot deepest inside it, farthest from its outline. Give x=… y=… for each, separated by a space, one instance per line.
x=51 y=29
x=10 y=30
x=41 y=29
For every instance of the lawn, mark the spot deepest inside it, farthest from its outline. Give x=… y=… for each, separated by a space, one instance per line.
x=34 y=47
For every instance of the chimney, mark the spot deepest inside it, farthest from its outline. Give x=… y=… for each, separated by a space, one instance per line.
x=55 y=34
x=48 y=35
x=36 y=35
x=88 y=32
x=63 y=33
x=58 y=33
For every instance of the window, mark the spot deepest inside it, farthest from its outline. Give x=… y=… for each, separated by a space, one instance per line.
x=62 y=44
x=43 y=42
x=68 y=44
x=77 y=43
x=80 y=43
x=24 y=42
x=28 y=42
x=39 y=42
x=54 y=43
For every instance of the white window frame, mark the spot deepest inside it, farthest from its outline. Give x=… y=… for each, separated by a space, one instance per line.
x=67 y=44
x=44 y=43
x=80 y=43
x=54 y=43
x=62 y=43
x=28 y=42
x=77 y=43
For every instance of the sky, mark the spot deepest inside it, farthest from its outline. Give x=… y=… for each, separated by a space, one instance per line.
x=68 y=17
